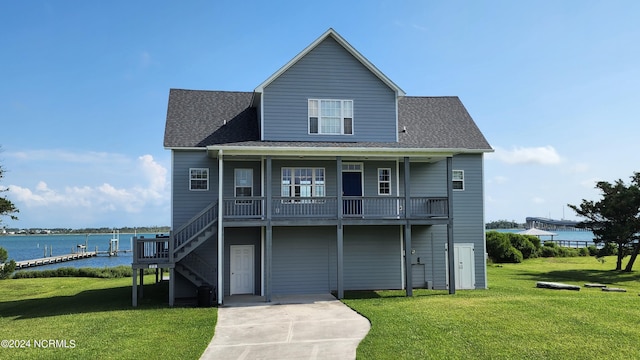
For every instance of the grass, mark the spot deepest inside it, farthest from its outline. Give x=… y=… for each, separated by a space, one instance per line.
x=512 y=319
x=97 y=315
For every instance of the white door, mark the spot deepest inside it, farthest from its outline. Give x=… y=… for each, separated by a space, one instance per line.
x=464 y=266
x=241 y=265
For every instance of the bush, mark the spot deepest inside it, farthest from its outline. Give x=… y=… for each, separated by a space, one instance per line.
x=607 y=250
x=500 y=250
x=524 y=245
x=593 y=250
x=8 y=266
x=549 y=251
x=106 y=272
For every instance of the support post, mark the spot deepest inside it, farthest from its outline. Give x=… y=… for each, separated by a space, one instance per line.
x=450 y=242
x=268 y=232
x=134 y=290
x=407 y=227
x=407 y=259
x=141 y=283
x=340 y=230
x=220 y=285
x=172 y=287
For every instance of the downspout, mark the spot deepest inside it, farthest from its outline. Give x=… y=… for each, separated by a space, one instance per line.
x=220 y=230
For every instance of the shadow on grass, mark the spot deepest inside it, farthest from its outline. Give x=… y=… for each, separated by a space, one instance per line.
x=587 y=276
x=386 y=294
x=111 y=299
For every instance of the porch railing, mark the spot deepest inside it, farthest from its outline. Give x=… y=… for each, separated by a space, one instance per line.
x=326 y=207
x=151 y=250
x=197 y=225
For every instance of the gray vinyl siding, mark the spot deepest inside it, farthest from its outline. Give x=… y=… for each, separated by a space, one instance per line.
x=243 y=236
x=427 y=179
x=229 y=177
x=468 y=211
x=302 y=260
x=328 y=72
x=188 y=203
x=429 y=245
x=372 y=257
x=371 y=177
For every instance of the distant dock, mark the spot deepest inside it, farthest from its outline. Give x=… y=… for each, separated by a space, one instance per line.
x=54 y=259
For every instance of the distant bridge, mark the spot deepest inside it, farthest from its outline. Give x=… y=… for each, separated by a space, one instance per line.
x=551 y=224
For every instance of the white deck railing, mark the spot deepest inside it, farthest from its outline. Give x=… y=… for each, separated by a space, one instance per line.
x=326 y=207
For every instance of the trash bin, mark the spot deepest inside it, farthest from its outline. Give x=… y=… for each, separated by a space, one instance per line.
x=205 y=296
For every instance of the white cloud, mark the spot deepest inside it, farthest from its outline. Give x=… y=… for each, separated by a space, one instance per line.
x=148 y=189
x=89 y=157
x=543 y=155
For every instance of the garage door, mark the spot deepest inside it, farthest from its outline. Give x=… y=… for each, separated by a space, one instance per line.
x=300 y=262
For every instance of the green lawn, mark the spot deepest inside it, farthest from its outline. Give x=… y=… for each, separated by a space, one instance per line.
x=97 y=315
x=512 y=319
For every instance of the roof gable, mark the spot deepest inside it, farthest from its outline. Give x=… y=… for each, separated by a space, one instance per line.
x=340 y=40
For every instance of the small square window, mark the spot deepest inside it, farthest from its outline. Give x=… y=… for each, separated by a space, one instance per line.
x=458 y=180
x=198 y=179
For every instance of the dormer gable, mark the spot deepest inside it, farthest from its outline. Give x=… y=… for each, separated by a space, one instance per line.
x=331 y=33
x=329 y=92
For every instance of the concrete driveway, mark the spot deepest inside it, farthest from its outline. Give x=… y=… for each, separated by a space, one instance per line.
x=289 y=327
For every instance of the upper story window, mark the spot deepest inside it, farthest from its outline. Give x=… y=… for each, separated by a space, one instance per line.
x=384 y=181
x=331 y=117
x=458 y=180
x=198 y=179
x=303 y=182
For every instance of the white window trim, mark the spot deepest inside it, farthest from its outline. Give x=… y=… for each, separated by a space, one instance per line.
x=204 y=170
x=342 y=101
x=292 y=197
x=235 y=186
x=462 y=180
x=382 y=182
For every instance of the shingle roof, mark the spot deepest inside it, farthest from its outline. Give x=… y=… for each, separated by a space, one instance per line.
x=202 y=118
x=438 y=122
x=197 y=118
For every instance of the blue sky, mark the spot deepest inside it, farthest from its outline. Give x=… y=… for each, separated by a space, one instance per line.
x=554 y=86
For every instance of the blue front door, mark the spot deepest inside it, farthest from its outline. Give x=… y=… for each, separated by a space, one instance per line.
x=352 y=186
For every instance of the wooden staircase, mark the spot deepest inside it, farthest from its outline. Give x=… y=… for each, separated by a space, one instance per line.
x=187 y=238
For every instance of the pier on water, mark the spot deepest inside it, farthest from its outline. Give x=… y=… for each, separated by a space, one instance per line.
x=54 y=259
x=80 y=253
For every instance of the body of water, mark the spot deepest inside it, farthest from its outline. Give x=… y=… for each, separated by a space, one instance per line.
x=26 y=247
x=561 y=235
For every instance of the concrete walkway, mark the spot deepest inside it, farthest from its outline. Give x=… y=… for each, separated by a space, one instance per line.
x=290 y=327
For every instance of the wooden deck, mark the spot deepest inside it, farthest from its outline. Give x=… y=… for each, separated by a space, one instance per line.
x=53 y=259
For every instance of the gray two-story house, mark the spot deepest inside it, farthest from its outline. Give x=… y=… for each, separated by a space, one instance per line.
x=325 y=178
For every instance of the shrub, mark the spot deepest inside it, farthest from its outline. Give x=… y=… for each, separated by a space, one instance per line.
x=593 y=250
x=607 y=250
x=524 y=245
x=8 y=267
x=106 y=272
x=549 y=251
x=583 y=252
x=500 y=250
